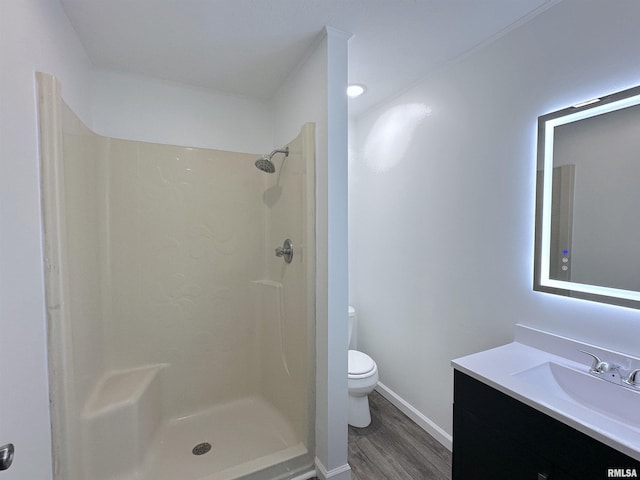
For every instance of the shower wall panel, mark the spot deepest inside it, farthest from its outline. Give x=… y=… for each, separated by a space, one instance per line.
x=286 y=358
x=85 y=156
x=161 y=245
x=185 y=243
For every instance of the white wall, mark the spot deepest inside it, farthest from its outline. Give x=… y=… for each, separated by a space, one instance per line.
x=152 y=110
x=35 y=35
x=315 y=92
x=442 y=201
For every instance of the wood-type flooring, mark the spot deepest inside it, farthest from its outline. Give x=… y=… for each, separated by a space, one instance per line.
x=394 y=448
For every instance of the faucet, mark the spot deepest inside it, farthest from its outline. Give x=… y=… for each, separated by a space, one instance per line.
x=598 y=367
x=605 y=370
x=613 y=373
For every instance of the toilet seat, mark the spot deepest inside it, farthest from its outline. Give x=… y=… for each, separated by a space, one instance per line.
x=360 y=364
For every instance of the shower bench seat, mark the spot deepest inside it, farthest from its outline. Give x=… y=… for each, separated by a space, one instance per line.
x=120 y=388
x=123 y=413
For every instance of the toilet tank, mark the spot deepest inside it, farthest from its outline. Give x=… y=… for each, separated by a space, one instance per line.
x=353 y=329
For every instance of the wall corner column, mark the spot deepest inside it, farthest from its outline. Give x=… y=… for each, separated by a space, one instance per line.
x=332 y=331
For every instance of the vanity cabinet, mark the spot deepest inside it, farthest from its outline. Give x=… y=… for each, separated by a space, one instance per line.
x=496 y=437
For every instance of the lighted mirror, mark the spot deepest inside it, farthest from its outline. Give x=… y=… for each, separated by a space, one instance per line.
x=588 y=200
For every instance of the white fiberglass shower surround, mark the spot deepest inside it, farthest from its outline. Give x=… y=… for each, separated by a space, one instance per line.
x=180 y=346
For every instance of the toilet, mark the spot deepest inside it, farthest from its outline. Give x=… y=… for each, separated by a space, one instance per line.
x=363 y=377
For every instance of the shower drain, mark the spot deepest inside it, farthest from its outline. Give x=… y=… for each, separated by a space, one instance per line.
x=201 y=448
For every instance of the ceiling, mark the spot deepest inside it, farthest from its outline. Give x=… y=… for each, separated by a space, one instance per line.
x=248 y=47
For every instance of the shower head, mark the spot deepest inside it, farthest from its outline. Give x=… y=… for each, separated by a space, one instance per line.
x=265 y=164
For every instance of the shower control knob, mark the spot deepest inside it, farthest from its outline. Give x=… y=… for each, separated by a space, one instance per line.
x=6 y=456
x=285 y=251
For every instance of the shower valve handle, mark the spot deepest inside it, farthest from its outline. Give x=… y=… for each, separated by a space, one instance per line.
x=6 y=456
x=285 y=251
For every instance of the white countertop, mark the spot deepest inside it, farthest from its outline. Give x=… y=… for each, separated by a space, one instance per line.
x=496 y=368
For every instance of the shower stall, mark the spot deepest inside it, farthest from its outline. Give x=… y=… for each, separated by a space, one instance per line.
x=181 y=346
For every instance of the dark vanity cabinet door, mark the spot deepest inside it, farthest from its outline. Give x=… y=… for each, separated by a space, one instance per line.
x=496 y=437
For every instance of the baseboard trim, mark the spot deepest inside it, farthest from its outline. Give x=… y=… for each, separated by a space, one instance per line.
x=343 y=472
x=410 y=411
x=305 y=476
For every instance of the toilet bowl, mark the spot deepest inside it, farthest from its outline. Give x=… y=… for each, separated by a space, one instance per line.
x=362 y=379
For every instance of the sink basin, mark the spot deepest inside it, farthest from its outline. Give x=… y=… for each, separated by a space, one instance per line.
x=613 y=401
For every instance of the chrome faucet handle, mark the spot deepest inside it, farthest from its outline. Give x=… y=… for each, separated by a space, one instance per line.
x=285 y=251
x=633 y=379
x=597 y=366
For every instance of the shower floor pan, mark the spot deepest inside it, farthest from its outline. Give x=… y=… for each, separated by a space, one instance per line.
x=245 y=436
